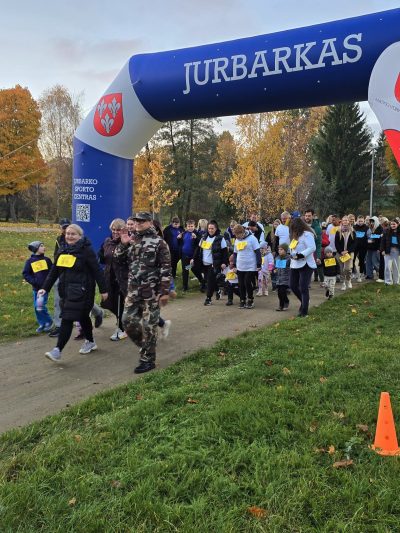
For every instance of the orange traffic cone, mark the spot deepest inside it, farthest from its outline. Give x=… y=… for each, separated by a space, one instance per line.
x=385 y=436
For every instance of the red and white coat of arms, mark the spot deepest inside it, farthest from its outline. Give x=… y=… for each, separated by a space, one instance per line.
x=108 y=117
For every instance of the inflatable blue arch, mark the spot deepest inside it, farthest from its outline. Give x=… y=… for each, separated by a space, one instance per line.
x=348 y=60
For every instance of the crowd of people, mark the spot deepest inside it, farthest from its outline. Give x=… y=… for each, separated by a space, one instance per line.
x=137 y=264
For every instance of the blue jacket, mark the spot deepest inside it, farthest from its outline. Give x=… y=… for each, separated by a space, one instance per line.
x=36 y=279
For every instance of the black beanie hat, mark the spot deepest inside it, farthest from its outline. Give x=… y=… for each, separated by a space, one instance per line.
x=34 y=246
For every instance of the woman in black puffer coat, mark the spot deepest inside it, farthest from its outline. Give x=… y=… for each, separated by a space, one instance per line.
x=78 y=271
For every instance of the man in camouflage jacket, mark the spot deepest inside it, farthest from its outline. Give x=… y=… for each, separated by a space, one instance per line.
x=149 y=278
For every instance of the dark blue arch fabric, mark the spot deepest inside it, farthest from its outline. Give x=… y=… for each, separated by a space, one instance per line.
x=160 y=83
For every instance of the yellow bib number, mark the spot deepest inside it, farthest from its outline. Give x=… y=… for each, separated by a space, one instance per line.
x=333 y=230
x=330 y=262
x=66 y=260
x=231 y=275
x=206 y=245
x=241 y=245
x=345 y=257
x=293 y=244
x=38 y=266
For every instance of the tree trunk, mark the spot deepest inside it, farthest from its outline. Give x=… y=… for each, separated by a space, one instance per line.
x=37 y=204
x=12 y=202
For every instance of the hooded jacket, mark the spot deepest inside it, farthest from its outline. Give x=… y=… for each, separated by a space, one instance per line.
x=374 y=235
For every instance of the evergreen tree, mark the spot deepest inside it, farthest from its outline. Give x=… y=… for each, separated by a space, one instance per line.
x=342 y=152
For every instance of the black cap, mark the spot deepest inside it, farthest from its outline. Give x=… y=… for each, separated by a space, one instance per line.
x=143 y=215
x=64 y=222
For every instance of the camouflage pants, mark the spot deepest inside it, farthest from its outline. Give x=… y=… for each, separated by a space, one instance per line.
x=140 y=321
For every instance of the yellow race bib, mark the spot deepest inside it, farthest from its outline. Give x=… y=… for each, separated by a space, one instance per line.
x=330 y=262
x=293 y=244
x=231 y=275
x=333 y=230
x=38 y=266
x=241 y=245
x=345 y=257
x=66 y=260
x=206 y=245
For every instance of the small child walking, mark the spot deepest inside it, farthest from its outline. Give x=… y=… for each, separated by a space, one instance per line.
x=264 y=274
x=35 y=272
x=331 y=270
x=231 y=281
x=282 y=273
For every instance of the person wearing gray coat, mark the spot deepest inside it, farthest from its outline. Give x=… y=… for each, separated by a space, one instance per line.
x=282 y=272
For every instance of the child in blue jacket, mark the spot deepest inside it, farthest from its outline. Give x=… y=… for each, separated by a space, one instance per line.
x=35 y=272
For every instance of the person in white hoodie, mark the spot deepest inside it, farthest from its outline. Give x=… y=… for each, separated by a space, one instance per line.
x=302 y=262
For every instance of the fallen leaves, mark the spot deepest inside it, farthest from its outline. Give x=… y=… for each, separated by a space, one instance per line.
x=343 y=464
x=258 y=512
x=363 y=428
x=138 y=397
x=191 y=400
x=72 y=502
x=323 y=379
x=330 y=450
x=354 y=310
x=268 y=362
x=338 y=414
x=286 y=371
x=77 y=438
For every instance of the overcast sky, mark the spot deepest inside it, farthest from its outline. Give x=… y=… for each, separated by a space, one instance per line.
x=82 y=44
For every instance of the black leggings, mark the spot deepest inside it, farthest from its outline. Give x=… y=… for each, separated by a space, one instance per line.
x=66 y=330
x=299 y=283
x=210 y=275
x=246 y=284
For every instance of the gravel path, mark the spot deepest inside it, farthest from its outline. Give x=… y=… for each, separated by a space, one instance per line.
x=33 y=387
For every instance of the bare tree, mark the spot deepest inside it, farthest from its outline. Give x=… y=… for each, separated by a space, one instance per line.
x=61 y=115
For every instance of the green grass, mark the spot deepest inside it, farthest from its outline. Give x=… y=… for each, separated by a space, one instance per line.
x=141 y=458
x=17 y=317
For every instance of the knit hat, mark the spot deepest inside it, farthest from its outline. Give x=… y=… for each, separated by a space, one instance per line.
x=64 y=222
x=328 y=250
x=284 y=246
x=34 y=246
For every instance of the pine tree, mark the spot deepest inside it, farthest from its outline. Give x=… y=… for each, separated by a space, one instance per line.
x=342 y=152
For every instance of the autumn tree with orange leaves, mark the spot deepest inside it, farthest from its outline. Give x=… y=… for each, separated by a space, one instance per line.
x=151 y=191
x=21 y=164
x=274 y=161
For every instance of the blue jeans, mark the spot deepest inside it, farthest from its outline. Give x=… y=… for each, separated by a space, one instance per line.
x=43 y=317
x=372 y=263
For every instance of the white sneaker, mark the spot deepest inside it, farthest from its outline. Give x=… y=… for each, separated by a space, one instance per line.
x=122 y=335
x=349 y=285
x=116 y=335
x=259 y=293
x=88 y=347
x=359 y=279
x=54 y=354
x=379 y=280
x=165 y=329
x=343 y=287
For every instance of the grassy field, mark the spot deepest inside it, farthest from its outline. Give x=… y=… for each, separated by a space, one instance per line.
x=243 y=437
x=17 y=317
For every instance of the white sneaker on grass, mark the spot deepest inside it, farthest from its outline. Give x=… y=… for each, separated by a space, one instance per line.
x=349 y=285
x=165 y=329
x=88 y=347
x=343 y=287
x=54 y=354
